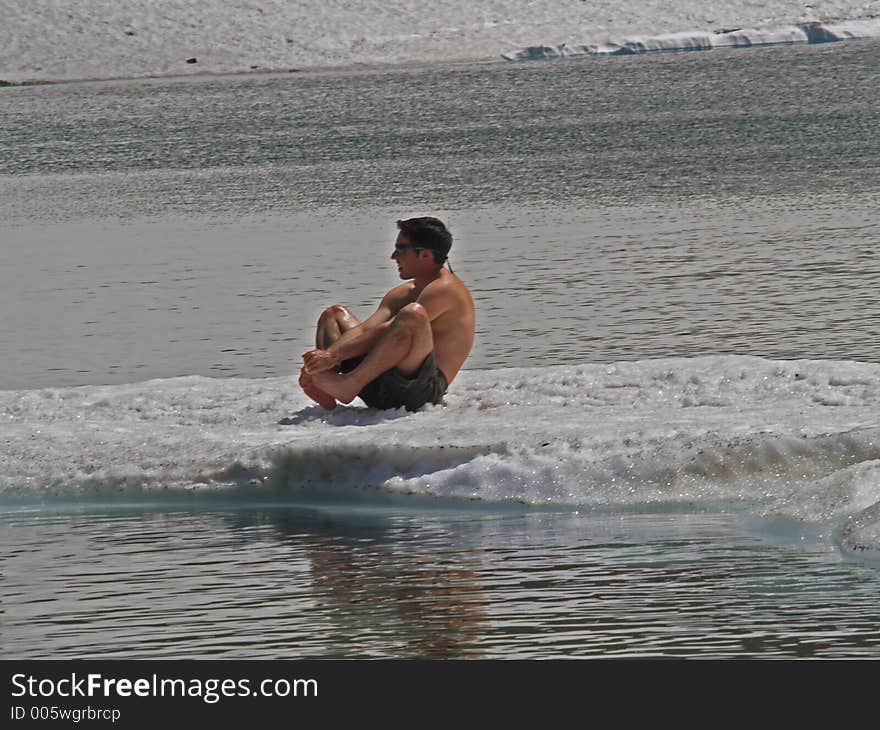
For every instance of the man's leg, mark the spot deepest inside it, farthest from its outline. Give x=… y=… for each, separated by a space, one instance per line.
x=404 y=345
x=333 y=322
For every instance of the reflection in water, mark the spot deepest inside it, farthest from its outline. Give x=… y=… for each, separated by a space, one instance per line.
x=375 y=576
x=336 y=582
x=432 y=610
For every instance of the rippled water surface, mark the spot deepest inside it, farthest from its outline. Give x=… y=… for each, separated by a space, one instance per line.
x=603 y=210
x=296 y=583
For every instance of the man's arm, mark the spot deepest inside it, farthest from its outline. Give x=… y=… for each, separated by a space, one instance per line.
x=358 y=340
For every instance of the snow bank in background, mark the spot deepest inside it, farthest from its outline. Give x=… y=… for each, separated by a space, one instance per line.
x=702 y=41
x=70 y=39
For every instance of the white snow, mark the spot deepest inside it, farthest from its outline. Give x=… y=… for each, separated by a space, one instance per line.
x=70 y=39
x=796 y=439
x=701 y=41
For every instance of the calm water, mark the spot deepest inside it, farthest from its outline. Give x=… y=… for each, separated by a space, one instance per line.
x=604 y=210
x=297 y=583
x=617 y=209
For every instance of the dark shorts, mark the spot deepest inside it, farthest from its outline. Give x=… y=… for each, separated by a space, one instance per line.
x=393 y=390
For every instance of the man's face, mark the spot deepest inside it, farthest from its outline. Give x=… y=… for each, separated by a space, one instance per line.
x=406 y=256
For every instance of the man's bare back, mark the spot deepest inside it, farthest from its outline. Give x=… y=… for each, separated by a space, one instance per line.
x=412 y=347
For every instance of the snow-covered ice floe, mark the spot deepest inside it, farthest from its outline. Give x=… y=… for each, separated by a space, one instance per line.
x=791 y=440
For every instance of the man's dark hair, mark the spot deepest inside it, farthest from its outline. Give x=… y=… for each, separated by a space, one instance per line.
x=430 y=233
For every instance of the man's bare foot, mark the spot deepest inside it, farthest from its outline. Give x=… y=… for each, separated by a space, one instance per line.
x=336 y=385
x=327 y=402
x=317 y=361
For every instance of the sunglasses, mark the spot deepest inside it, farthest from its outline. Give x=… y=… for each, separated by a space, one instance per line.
x=404 y=247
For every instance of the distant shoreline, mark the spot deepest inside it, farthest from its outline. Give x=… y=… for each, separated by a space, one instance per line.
x=36 y=64
x=304 y=71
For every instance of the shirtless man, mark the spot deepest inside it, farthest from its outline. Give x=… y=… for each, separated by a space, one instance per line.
x=409 y=351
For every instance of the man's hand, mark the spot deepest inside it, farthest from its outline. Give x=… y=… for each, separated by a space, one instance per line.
x=317 y=361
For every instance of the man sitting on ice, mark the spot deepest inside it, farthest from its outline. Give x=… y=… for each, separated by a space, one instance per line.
x=408 y=352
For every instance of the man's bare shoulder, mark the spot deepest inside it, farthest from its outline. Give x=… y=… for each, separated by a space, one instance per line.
x=445 y=284
x=447 y=292
x=450 y=288
x=399 y=296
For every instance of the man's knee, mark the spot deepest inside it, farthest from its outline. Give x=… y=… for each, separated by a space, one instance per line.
x=334 y=311
x=413 y=315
